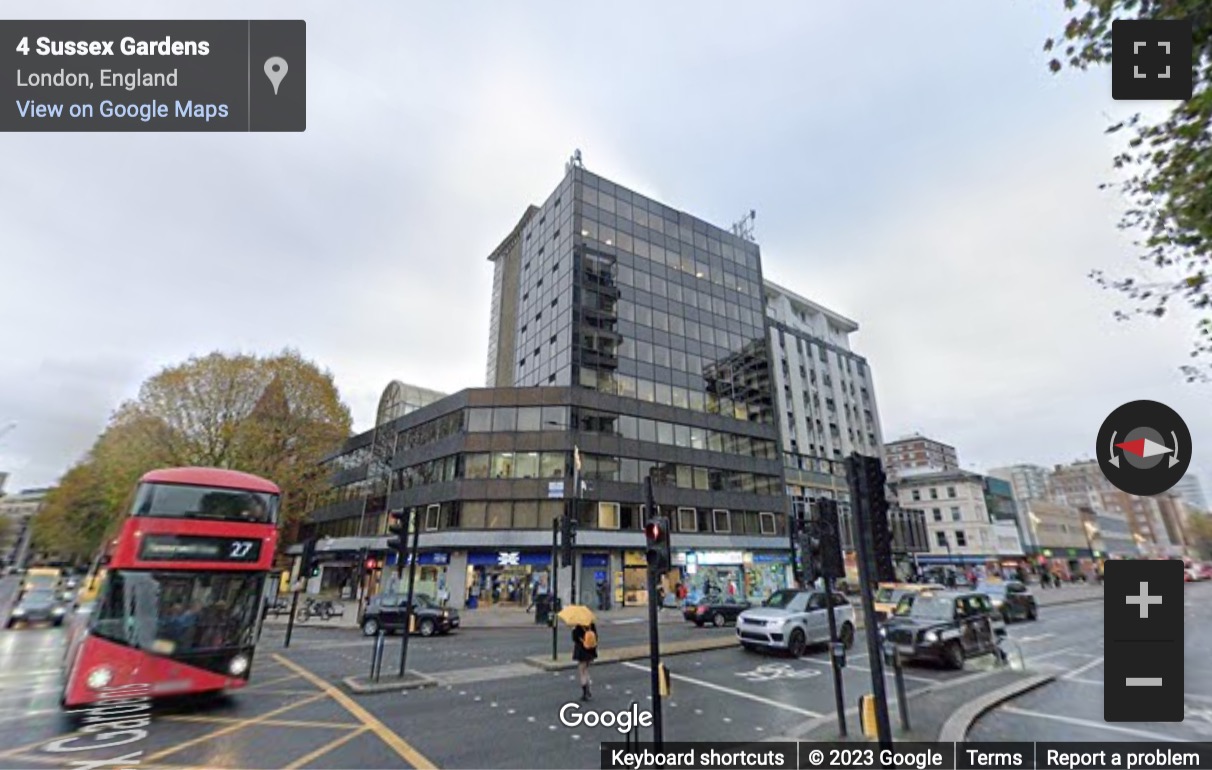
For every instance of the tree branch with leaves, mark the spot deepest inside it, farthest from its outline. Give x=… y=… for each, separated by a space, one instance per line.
x=1167 y=165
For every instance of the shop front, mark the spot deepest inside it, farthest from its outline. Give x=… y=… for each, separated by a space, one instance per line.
x=1069 y=564
x=431 y=576
x=509 y=578
x=767 y=573
x=635 y=579
x=593 y=584
x=743 y=575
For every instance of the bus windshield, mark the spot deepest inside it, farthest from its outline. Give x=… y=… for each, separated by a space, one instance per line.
x=179 y=613
x=190 y=502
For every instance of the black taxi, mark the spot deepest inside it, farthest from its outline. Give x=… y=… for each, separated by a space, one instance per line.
x=947 y=627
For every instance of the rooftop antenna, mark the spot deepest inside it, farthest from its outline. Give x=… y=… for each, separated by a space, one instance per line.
x=744 y=228
x=574 y=162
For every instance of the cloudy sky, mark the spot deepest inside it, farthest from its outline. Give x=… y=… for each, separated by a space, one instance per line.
x=938 y=187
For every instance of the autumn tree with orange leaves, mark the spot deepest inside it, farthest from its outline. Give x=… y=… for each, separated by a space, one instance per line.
x=274 y=416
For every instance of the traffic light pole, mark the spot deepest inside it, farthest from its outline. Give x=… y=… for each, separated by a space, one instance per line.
x=574 y=517
x=412 y=584
x=654 y=636
x=553 y=590
x=290 y=621
x=839 y=694
x=305 y=560
x=862 y=493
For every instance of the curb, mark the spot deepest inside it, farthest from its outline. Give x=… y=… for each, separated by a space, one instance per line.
x=415 y=681
x=955 y=729
x=636 y=652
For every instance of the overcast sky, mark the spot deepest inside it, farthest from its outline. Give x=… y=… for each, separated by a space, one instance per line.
x=913 y=166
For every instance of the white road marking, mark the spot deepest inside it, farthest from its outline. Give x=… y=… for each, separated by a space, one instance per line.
x=1083 y=668
x=1029 y=639
x=730 y=691
x=529 y=719
x=626 y=621
x=1096 y=725
x=511 y=711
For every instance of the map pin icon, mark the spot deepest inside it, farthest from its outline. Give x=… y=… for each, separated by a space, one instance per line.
x=275 y=70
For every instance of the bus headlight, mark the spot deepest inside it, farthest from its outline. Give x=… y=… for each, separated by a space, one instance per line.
x=99 y=678
x=238 y=665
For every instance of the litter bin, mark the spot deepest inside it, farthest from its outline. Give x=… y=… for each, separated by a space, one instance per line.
x=542 y=610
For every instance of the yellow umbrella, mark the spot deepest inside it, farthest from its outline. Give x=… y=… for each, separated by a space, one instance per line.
x=577 y=615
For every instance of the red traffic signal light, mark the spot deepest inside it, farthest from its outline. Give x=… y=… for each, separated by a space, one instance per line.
x=371 y=564
x=653 y=531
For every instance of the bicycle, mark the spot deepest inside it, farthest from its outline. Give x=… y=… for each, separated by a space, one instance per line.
x=320 y=609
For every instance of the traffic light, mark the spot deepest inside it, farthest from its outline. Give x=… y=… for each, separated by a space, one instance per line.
x=870 y=508
x=308 y=568
x=568 y=538
x=397 y=527
x=810 y=551
x=831 y=563
x=656 y=532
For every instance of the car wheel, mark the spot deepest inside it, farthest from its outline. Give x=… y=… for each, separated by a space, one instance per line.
x=718 y=620
x=1032 y=613
x=798 y=643
x=370 y=627
x=953 y=656
x=847 y=635
x=10 y=623
x=427 y=627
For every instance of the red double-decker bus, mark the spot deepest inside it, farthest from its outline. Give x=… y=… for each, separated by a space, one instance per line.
x=179 y=607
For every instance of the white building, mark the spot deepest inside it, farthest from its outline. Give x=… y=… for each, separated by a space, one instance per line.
x=957 y=518
x=1191 y=491
x=1030 y=482
x=17 y=512
x=919 y=454
x=826 y=398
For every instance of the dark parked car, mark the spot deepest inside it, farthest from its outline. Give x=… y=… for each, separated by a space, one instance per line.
x=718 y=611
x=1011 y=599
x=388 y=612
x=38 y=606
x=946 y=627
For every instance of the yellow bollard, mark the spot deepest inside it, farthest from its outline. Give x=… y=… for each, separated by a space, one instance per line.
x=665 y=680
x=412 y=624
x=867 y=716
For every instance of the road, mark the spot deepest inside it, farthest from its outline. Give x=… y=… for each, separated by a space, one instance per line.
x=490 y=709
x=1071 y=708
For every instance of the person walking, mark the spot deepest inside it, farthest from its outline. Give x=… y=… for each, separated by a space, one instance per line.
x=584 y=652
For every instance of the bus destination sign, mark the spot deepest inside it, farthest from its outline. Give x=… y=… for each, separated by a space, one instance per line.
x=194 y=548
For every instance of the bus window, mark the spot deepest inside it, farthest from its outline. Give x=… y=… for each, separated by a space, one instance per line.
x=189 y=502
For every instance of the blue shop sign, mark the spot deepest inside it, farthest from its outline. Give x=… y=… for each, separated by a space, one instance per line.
x=431 y=559
x=508 y=559
x=772 y=558
x=595 y=560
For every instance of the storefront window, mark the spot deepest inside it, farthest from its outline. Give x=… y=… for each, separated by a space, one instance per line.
x=477 y=466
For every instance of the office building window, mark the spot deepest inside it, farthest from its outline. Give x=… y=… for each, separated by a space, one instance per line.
x=960 y=538
x=722 y=520
x=955 y=513
x=941 y=539
x=767 y=523
x=687 y=520
x=938 y=514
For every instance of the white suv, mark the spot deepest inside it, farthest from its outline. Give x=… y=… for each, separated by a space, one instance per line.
x=791 y=620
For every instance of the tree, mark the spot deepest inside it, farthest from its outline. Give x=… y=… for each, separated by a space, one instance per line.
x=1168 y=165
x=1199 y=528
x=276 y=417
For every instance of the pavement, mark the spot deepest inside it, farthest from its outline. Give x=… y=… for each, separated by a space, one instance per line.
x=486 y=617
x=487 y=706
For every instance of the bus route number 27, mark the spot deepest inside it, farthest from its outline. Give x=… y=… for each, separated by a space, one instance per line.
x=240 y=549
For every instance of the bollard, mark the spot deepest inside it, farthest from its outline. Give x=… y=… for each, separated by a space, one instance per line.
x=376 y=662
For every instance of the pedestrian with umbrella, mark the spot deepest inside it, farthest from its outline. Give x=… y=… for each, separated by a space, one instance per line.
x=584 y=642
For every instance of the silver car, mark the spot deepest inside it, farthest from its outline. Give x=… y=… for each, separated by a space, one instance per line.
x=791 y=620
x=39 y=606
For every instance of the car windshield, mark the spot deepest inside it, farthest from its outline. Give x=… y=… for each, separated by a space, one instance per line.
x=190 y=502
x=780 y=599
x=39 y=597
x=993 y=589
x=889 y=595
x=178 y=613
x=929 y=607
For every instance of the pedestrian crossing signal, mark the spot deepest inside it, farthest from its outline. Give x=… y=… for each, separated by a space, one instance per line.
x=656 y=532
